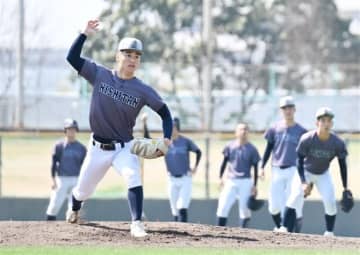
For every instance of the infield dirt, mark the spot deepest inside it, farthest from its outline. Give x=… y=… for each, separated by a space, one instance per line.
x=164 y=234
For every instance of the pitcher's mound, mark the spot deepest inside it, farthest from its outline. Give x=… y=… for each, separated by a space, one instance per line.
x=15 y=233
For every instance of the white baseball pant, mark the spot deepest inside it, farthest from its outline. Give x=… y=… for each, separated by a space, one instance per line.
x=235 y=189
x=98 y=161
x=324 y=185
x=179 y=191
x=64 y=186
x=280 y=189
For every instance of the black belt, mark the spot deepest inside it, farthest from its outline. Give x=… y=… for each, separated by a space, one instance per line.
x=107 y=144
x=284 y=167
x=178 y=175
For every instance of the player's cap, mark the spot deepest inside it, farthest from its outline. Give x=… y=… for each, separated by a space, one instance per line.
x=176 y=123
x=70 y=123
x=324 y=111
x=130 y=43
x=286 y=101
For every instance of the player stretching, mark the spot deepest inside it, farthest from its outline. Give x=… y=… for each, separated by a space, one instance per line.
x=282 y=140
x=117 y=99
x=315 y=151
x=241 y=156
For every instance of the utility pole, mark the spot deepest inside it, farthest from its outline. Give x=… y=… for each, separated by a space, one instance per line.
x=0 y=166
x=19 y=111
x=207 y=42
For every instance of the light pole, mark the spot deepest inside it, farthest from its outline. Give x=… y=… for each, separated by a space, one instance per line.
x=206 y=79
x=19 y=111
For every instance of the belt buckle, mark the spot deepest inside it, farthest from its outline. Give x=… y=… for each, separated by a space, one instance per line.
x=107 y=146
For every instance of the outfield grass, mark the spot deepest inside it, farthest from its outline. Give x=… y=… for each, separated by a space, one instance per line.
x=26 y=167
x=161 y=251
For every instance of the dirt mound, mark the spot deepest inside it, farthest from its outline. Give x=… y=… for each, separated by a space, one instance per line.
x=169 y=234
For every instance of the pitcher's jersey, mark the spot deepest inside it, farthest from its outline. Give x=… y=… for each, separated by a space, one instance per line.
x=116 y=102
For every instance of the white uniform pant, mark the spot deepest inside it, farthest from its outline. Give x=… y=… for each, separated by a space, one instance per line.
x=280 y=189
x=323 y=183
x=98 y=161
x=235 y=189
x=179 y=191
x=64 y=186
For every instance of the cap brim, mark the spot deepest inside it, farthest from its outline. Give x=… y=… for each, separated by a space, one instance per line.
x=133 y=50
x=287 y=105
x=325 y=115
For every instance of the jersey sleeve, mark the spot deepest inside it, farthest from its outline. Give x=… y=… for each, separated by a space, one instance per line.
x=303 y=146
x=270 y=135
x=226 y=151
x=192 y=146
x=341 y=151
x=153 y=99
x=255 y=156
x=89 y=71
x=84 y=150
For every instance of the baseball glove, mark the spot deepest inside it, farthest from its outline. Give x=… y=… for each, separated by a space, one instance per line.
x=148 y=148
x=347 y=201
x=255 y=204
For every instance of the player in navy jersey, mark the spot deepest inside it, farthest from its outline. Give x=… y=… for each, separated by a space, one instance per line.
x=180 y=173
x=239 y=157
x=282 y=139
x=67 y=158
x=316 y=149
x=117 y=98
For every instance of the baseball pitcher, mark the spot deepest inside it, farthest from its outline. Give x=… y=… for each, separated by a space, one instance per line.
x=117 y=98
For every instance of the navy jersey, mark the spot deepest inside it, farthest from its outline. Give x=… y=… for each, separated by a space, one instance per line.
x=177 y=158
x=318 y=154
x=240 y=159
x=285 y=140
x=67 y=158
x=116 y=102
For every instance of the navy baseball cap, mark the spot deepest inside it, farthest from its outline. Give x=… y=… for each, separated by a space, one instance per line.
x=130 y=43
x=286 y=101
x=70 y=123
x=324 y=111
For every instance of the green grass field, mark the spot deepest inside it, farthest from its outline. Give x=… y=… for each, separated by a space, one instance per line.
x=163 y=251
x=26 y=161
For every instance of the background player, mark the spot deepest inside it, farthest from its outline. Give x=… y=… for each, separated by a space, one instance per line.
x=282 y=139
x=241 y=156
x=315 y=151
x=117 y=98
x=67 y=158
x=178 y=166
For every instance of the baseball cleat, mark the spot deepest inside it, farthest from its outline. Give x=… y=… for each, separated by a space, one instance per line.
x=137 y=229
x=329 y=234
x=74 y=217
x=282 y=229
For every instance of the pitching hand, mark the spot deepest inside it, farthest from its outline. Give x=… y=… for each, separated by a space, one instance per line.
x=91 y=27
